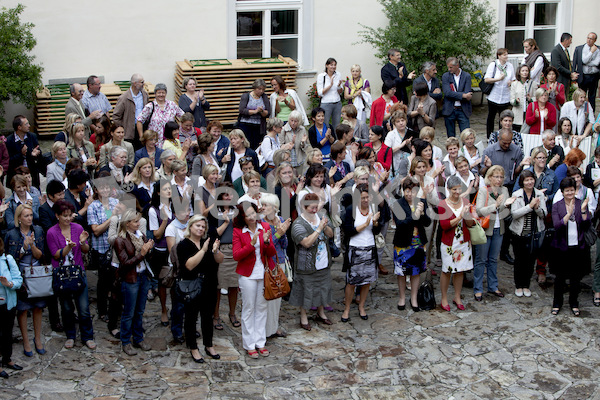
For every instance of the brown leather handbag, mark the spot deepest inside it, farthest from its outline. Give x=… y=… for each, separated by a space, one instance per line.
x=276 y=283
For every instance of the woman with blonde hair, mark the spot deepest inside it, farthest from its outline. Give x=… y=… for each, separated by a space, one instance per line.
x=207 y=194
x=70 y=119
x=357 y=91
x=143 y=177
x=56 y=169
x=25 y=243
x=470 y=150
x=239 y=147
x=81 y=148
x=199 y=257
x=132 y=249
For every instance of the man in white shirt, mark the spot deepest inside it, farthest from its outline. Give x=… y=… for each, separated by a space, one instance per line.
x=587 y=63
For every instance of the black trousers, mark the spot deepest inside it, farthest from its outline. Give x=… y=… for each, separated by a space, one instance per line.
x=589 y=84
x=105 y=279
x=7 y=322
x=205 y=305
x=115 y=301
x=524 y=261
x=494 y=109
x=569 y=267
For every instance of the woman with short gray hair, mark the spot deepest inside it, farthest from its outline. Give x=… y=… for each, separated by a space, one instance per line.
x=159 y=112
x=254 y=110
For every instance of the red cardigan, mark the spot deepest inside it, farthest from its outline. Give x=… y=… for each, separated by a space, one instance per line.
x=381 y=156
x=446 y=215
x=243 y=251
x=378 y=111
x=534 y=122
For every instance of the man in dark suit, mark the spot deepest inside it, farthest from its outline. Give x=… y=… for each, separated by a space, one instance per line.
x=556 y=154
x=396 y=71
x=24 y=149
x=74 y=106
x=561 y=60
x=586 y=60
x=456 y=85
x=433 y=83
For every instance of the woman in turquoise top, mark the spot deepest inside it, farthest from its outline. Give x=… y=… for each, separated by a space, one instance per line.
x=10 y=281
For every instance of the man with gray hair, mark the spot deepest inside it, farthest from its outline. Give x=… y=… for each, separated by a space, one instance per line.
x=555 y=153
x=128 y=108
x=74 y=106
x=93 y=99
x=433 y=83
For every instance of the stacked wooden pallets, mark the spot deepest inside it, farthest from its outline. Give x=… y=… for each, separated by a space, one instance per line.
x=51 y=102
x=224 y=81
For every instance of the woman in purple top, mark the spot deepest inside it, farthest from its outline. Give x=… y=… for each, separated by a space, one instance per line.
x=66 y=242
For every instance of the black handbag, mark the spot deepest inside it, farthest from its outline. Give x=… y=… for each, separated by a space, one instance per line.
x=426 y=294
x=68 y=279
x=189 y=290
x=486 y=88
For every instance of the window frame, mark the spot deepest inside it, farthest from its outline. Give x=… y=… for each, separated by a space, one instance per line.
x=304 y=35
x=564 y=21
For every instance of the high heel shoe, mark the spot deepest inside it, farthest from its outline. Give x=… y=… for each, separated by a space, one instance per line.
x=445 y=308
x=28 y=353
x=213 y=356
x=197 y=360
x=41 y=351
x=415 y=309
x=461 y=307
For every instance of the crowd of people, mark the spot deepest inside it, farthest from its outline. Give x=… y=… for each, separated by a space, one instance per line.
x=165 y=205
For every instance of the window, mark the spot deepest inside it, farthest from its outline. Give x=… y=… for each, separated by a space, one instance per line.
x=536 y=19
x=267 y=32
x=269 y=28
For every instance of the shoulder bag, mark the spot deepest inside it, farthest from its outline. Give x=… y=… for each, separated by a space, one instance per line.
x=68 y=279
x=188 y=290
x=483 y=221
x=38 y=281
x=276 y=283
x=486 y=88
x=146 y=124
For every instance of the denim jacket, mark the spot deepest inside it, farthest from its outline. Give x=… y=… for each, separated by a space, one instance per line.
x=14 y=241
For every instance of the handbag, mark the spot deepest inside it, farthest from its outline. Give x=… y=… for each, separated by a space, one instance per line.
x=276 y=283
x=38 y=281
x=483 y=221
x=486 y=88
x=426 y=294
x=68 y=279
x=287 y=270
x=477 y=234
x=188 y=290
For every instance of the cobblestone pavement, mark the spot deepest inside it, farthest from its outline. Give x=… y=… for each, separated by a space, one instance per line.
x=509 y=348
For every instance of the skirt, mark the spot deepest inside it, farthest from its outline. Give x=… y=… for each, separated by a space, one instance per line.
x=29 y=304
x=362 y=269
x=227 y=275
x=458 y=257
x=312 y=290
x=411 y=260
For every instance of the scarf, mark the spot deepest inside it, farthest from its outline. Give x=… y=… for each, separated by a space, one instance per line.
x=138 y=242
x=116 y=172
x=531 y=58
x=355 y=87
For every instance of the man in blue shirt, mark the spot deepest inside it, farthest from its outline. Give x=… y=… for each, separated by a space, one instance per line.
x=93 y=99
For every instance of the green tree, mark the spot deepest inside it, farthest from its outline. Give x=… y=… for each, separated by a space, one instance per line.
x=20 y=77
x=433 y=30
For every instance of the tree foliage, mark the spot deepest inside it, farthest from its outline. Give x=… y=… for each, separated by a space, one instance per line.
x=433 y=30
x=20 y=77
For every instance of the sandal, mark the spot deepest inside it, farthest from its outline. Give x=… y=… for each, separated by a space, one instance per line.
x=252 y=353
x=597 y=301
x=575 y=311
x=234 y=321
x=555 y=311
x=218 y=324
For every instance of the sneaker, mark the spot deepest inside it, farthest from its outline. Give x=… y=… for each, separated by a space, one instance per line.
x=150 y=295
x=519 y=292
x=90 y=344
x=142 y=345
x=526 y=292
x=129 y=350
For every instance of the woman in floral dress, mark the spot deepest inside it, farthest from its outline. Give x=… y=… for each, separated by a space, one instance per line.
x=455 y=217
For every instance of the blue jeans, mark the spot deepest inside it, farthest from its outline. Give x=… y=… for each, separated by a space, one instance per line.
x=459 y=116
x=134 y=303
x=486 y=259
x=333 y=111
x=177 y=312
x=81 y=301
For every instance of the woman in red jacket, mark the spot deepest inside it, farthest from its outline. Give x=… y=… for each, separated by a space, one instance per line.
x=252 y=245
x=457 y=255
x=384 y=154
x=380 y=109
x=541 y=115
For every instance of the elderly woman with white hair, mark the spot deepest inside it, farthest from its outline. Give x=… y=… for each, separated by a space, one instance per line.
x=158 y=112
x=254 y=110
x=117 y=133
x=295 y=133
x=199 y=257
x=132 y=249
x=358 y=92
x=279 y=227
x=166 y=158
x=117 y=166
x=56 y=169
